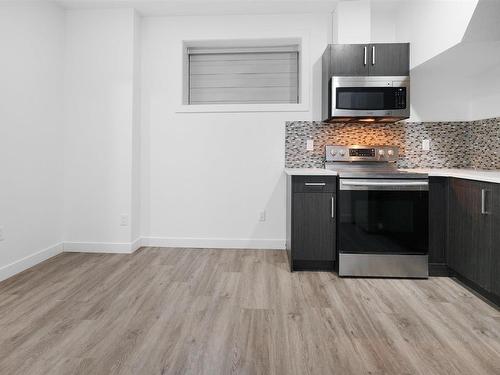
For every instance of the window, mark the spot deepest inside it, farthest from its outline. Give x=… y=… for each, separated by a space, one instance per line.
x=242 y=75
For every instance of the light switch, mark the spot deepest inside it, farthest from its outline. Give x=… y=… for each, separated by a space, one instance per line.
x=426 y=145
x=310 y=145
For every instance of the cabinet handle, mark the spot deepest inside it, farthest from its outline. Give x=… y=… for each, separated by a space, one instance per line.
x=373 y=55
x=333 y=207
x=483 y=202
x=364 y=59
x=315 y=183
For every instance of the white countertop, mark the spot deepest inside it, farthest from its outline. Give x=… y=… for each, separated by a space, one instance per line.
x=469 y=174
x=309 y=172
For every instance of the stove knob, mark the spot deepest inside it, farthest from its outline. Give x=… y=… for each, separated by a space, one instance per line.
x=390 y=152
x=381 y=152
x=342 y=153
x=333 y=152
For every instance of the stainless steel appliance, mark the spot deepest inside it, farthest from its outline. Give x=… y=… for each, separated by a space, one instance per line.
x=369 y=99
x=382 y=213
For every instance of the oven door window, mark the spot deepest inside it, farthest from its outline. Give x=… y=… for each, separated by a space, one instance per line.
x=389 y=222
x=370 y=98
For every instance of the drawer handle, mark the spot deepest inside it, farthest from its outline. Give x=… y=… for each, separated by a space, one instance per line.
x=315 y=183
x=483 y=202
x=333 y=207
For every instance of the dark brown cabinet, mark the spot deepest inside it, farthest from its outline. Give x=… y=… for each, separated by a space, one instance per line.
x=313 y=231
x=495 y=243
x=311 y=222
x=389 y=59
x=349 y=60
x=438 y=208
x=464 y=233
x=380 y=59
x=470 y=224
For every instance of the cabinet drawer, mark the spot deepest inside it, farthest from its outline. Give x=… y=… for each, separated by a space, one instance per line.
x=314 y=184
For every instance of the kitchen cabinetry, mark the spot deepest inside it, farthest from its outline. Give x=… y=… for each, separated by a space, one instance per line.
x=380 y=59
x=438 y=208
x=389 y=59
x=349 y=60
x=311 y=217
x=495 y=243
x=470 y=236
x=464 y=233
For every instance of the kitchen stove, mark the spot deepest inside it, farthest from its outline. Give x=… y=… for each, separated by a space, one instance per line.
x=382 y=213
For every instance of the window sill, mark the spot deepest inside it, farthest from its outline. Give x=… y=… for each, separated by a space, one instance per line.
x=231 y=108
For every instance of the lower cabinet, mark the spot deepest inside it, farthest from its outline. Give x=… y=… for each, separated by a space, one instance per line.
x=495 y=245
x=473 y=234
x=469 y=234
x=438 y=208
x=311 y=222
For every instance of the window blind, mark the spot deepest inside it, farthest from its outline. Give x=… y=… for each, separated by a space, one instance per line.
x=243 y=75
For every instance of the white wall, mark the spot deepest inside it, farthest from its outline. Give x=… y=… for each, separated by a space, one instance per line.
x=208 y=175
x=135 y=220
x=485 y=96
x=32 y=38
x=353 y=22
x=99 y=129
x=432 y=26
x=451 y=64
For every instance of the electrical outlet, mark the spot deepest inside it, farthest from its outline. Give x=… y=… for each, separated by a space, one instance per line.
x=426 y=145
x=262 y=216
x=310 y=145
x=124 y=220
x=1 y=233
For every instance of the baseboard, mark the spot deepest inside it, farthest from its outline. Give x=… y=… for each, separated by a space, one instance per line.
x=438 y=270
x=214 y=243
x=103 y=247
x=187 y=242
x=29 y=261
x=313 y=265
x=478 y=290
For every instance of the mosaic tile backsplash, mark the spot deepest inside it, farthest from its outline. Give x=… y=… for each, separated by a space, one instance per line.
x=470 y=144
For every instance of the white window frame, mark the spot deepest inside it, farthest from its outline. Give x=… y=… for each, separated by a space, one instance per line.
x=304 y=79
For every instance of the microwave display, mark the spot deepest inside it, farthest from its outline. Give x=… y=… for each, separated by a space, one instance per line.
x=371 y=98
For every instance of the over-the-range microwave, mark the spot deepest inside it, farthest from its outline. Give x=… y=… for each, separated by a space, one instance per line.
x=369 y=99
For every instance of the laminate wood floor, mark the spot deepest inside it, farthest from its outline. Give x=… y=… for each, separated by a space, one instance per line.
x=190 y=311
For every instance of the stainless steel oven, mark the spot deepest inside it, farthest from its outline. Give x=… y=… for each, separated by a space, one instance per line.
x=370 y=98
x=382 y=213
x=383 y=227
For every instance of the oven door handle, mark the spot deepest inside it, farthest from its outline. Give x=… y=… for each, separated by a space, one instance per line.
x=401 y=185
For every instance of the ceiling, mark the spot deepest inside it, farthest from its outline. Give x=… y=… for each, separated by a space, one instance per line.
x=206 y=7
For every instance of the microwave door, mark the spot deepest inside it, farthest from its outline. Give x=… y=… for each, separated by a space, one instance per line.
x=368 y=98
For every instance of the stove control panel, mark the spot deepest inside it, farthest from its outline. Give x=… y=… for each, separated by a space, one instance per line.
x=361 y=153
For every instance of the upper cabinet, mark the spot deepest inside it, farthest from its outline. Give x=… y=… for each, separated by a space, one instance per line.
x=349 y=60
x=380 y=59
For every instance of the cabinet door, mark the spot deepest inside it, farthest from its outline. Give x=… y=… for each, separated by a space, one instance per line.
x=389 y=59
x=349 y=59
x=313 y=226
x=495 y=248
x=438 y=207
x=469 y=231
